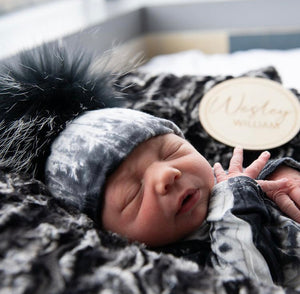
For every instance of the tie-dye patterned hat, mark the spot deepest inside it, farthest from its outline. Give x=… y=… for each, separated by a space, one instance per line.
x=59 y=123
x=91 y=148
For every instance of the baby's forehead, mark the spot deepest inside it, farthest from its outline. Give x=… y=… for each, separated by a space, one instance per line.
x=157 y=147
x=157 y=143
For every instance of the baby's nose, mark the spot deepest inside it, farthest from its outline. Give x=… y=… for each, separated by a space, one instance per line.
x=166 y=177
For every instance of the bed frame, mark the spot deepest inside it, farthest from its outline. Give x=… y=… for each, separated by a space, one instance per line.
x=213 y=26
x=156 y=27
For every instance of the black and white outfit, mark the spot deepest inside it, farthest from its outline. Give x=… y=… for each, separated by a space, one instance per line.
x=50 y=100
x=247 y=234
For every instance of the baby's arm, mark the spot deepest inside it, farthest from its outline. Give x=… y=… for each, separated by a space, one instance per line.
x=282 y=186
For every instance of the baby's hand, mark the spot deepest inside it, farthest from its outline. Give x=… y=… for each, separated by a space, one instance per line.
x=236 y=166
x=287 y=192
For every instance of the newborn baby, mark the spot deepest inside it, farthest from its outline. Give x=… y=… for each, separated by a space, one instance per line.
x=135 y=174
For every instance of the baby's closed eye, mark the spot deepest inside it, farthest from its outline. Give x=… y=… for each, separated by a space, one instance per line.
x=169 y=152
x=132 y=193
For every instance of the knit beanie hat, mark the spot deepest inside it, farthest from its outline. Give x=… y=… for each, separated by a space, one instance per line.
x=61 y=122
x=91 y=148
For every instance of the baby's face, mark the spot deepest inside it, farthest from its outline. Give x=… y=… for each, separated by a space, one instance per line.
x=160 y=193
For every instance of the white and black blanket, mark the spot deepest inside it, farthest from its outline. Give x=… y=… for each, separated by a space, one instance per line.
x=47 y=247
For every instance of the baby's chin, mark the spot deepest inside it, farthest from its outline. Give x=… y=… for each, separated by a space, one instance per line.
x=162 y=240
x=167 y=240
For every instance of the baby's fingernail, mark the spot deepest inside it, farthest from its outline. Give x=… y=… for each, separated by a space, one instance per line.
x=266 y=153
x=238 y=149
x=283 y=180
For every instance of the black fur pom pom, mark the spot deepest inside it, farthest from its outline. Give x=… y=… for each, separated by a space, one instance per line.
x=40 y=92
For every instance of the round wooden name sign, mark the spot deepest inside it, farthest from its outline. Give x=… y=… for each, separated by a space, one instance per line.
x=254 y=113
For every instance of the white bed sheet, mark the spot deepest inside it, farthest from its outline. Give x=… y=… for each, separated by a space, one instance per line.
x=195 y=62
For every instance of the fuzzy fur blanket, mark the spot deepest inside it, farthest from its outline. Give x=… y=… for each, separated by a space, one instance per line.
x=47 y=247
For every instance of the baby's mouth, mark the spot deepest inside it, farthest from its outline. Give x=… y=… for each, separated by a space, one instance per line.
x=187 y=201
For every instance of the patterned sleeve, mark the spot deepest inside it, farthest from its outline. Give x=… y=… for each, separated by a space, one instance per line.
x=251 y=236
x=273 y=164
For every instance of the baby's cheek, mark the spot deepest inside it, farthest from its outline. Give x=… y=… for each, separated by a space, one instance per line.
x=199 y=214
x=152 y=230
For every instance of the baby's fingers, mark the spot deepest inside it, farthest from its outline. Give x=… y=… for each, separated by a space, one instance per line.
x=236 y=161
x=285 y=195
x=294 y=192
x=220 y=173
x=273 y=186
x=257 y=165
x=287 y=205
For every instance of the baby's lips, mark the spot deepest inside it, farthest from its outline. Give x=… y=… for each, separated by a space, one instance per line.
x=187 y=201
